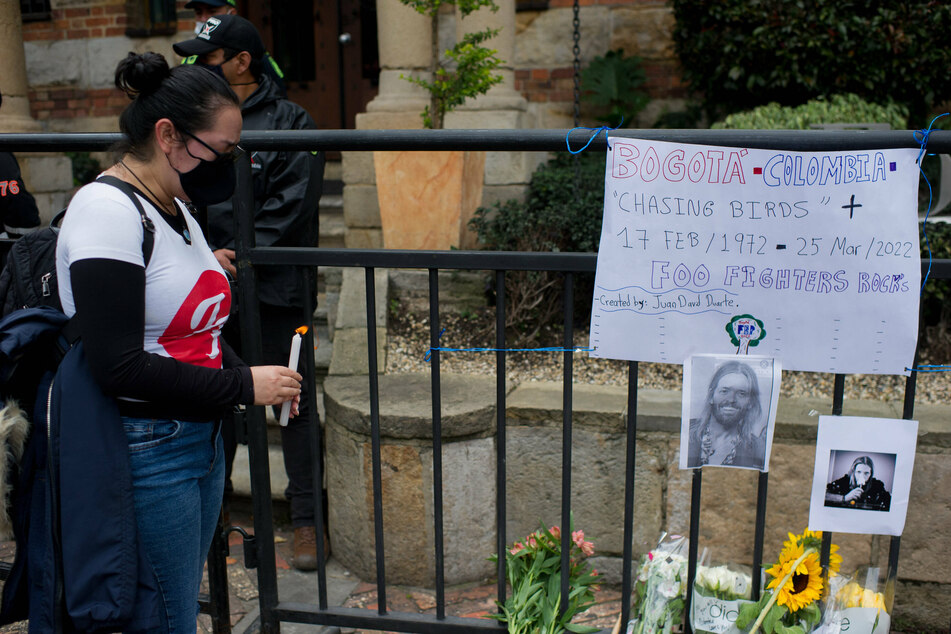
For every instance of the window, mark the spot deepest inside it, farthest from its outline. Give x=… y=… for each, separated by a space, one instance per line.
x=35 y=10
x=531 y=5
x=151 y=17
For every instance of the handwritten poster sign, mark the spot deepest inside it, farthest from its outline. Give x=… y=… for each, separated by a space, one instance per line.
x=811 y=258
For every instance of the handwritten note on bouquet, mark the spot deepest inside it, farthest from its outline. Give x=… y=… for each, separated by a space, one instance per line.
x=808 y=257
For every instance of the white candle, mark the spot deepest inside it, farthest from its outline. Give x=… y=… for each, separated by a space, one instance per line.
x=292 y=364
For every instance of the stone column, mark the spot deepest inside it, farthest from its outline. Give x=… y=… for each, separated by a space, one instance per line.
x=502 y=98
x=506 y=173
x=404 y=39
x=15 y=113
x=404 y=45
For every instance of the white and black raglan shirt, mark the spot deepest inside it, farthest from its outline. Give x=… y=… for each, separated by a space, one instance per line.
x=152 y=336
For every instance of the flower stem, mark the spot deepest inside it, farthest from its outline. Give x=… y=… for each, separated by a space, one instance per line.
x=772 y=599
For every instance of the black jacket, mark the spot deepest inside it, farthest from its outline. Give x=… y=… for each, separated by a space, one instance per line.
x=17 y=207
x=287 y=187
x=78 y=567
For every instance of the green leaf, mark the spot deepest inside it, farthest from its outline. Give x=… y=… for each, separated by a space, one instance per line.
x=775 y=613
x=747 y=614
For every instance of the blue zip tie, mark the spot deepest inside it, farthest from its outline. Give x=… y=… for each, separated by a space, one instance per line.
x=594 y=135
x=930 y=368
x=925 y=134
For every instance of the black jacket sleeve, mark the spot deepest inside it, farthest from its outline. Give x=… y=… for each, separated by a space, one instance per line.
x=110 y=302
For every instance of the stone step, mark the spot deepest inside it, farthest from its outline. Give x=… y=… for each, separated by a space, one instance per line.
x=332 y=226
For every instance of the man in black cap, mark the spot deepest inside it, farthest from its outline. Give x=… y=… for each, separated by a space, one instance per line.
x=287 y=187
x=205 y=9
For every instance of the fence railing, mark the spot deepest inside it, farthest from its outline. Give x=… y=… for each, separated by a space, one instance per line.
x=272 y=610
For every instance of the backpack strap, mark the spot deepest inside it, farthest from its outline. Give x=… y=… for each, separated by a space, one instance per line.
x=71 y=330
x=148 y=238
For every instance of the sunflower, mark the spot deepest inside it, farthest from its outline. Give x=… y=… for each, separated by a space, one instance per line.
x=804 y=585
x=814 y=539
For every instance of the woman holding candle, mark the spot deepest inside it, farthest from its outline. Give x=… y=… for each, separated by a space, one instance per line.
x=151 y=327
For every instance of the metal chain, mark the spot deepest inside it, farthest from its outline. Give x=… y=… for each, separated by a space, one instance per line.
x=576 y=49
x=576 y=37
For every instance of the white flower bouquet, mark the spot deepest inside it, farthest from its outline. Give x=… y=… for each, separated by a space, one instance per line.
x=718 y=594
x=660 y=589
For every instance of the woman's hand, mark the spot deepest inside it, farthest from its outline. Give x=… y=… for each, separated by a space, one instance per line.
x=274 y=384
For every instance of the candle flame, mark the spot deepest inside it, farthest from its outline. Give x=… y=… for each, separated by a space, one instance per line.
x=302 y=330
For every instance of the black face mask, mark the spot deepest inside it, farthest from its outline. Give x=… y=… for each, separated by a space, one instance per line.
x=215 y=68
x=211 y=182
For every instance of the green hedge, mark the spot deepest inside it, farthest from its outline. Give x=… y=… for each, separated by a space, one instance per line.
x=738 y=54
x=836 y=109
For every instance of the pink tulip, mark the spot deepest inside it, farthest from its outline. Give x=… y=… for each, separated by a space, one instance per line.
x=517 y=548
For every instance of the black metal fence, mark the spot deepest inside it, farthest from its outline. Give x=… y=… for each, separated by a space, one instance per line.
x=272 y=610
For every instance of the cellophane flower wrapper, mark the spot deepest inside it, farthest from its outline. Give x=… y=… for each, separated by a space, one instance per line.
x=857 y=604
x=718 y=594
x=660 y=589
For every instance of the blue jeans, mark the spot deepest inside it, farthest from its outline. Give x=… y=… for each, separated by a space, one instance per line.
x=178 y=479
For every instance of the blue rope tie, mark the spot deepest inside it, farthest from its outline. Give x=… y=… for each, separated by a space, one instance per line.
x=594 y=135
x=922 y=137
x=929 y=368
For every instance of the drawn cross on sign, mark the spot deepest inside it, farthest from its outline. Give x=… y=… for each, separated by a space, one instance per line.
x=851 y=206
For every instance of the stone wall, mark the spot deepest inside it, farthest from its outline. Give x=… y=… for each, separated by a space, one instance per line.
x=662 y=491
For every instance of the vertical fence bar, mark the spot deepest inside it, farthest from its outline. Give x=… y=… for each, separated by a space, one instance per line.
x=500 y=474
x=437 y=442
x=626 y=585
x=908 y=412
x=758 y=534
x=568 y=344
x=218 y=600
x=838 y=398
x=315 y=436
x=695 y=491
x=375 y=440
x=257 y=424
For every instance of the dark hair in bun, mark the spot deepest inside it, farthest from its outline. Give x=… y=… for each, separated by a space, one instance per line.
x=190 y=96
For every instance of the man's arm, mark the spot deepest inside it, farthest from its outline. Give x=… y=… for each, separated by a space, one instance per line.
x=293 y=181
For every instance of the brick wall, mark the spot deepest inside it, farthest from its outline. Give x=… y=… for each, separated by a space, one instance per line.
x=545 y=57
x=91 y=20
x=106 y=18
x=71 y=103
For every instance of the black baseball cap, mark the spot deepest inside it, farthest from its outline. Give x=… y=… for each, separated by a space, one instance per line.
x=223 y=31
x=211 y=3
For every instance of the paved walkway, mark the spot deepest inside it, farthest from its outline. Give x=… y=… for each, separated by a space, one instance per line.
x=344 y=589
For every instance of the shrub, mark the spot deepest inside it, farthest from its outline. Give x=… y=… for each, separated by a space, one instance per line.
x=935 y=309
x=85 y=167
x=738 y=54
x=556 y=216
x=614 y=84
x=836 y=109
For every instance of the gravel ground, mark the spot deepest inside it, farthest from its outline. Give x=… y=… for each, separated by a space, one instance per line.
x=409 y=341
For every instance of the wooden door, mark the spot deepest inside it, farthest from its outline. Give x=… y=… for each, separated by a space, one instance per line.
x=327 y=50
